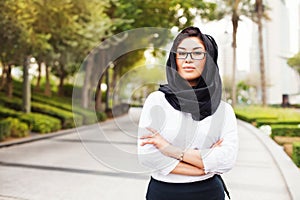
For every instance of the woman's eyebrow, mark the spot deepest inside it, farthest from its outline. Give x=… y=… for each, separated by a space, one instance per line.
x=197 y=48
x=193 y=48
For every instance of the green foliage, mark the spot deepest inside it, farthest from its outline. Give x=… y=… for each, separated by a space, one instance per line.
x=66 y=117
x=55 y=106
x=251 y=114
x=267 y=115
x=295 y=62
x=4 y=129
x=101 y=116
x=296 y=153
x=17 y=128
x=36 y=122
x=41 y=123
x=285 y=130
x=65 y=104
x=159 y=13
x=260 y=122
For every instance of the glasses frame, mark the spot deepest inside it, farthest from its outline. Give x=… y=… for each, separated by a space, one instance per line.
x=190 y=53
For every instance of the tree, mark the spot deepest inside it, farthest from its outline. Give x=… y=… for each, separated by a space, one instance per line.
x=149 y=13
x=294 y=62
x=256 y=12
x=259 y=10
x=235 y=9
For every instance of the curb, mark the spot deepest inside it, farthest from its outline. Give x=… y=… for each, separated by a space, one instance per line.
x=288 y=169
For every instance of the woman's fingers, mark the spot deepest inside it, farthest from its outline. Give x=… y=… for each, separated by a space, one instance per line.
x=218 y=143
x=153 y=131
x=148 y=141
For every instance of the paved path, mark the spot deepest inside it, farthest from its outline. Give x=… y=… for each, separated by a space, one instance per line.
x=97 y=163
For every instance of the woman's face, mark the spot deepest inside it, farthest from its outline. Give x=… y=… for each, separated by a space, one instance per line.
x=190 y=59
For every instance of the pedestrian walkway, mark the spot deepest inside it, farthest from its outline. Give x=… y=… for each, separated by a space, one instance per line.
x=65 y=166
x=262 y=169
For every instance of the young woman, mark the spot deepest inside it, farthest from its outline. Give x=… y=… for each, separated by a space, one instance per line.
x=187 y=134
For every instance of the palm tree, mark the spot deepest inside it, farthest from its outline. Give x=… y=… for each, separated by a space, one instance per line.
x=238 y=8
x=235 y=8
x=260 y=12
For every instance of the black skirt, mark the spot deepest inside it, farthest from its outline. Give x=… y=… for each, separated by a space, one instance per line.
x=209 y=189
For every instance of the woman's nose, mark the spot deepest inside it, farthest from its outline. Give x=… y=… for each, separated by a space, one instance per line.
x=188 y=58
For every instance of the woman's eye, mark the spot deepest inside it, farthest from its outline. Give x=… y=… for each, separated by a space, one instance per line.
x=197 y=53
x=182 y=53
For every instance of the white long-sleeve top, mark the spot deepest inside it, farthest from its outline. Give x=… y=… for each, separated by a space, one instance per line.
x=181 y=130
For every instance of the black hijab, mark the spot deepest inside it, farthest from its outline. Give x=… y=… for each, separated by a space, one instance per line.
x=203 y=99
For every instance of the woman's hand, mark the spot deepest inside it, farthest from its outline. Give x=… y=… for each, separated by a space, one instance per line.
x=155 y=139
x=217 y=144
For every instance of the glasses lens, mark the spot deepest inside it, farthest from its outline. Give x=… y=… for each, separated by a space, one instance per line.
x=181 y=54
x=198 y=55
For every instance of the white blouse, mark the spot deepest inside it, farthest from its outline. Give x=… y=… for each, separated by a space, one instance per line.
x=181 y=130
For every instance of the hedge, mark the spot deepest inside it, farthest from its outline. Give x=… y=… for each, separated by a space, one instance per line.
x=89 y=117
x=296 y=153
x=18 y=128
x=67 y=118
x=285 y=130
x=254 y=119
x=4 y=129
x=267 y=115
x=37 y=122
x=260 y=122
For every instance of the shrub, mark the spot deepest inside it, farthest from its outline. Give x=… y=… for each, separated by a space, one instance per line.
x=15 y=103
x=6 y=112
x=88 y=116
x=4 y=129
x=17 y=128
x=66 y=117
x=267 y=115
x=285 y=130
x=261 y=122
x=37 y=122
x=296 y=153
x=41 y=123
x=101 y=116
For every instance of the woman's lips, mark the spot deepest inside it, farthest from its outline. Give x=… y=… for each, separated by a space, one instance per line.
x=188 y=68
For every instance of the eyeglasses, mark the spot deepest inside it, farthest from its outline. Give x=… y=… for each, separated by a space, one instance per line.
x=195 y=55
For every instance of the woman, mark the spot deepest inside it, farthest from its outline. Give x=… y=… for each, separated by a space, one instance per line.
x=187 y=134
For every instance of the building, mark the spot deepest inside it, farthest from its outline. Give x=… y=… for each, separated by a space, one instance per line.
x=281 y=36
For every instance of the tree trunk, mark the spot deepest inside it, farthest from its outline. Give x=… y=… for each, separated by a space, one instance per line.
x=26 y=96
x=9 y=83
x=98 y=96
x=86 y=85
x=62 y=77
x=47 y=85
x=3 y=76
x=107 y=90
x=38 y=82
x=259 y=5
x=235 y=21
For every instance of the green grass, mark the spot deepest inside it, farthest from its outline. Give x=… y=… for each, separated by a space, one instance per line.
x=267 y=115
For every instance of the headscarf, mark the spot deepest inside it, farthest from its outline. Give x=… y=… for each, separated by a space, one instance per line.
x=203 y=99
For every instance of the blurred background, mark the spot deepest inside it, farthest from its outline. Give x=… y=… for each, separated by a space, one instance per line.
x=57 y=69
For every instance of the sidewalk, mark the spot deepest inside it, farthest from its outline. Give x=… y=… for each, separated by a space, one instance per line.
x=263 y=171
